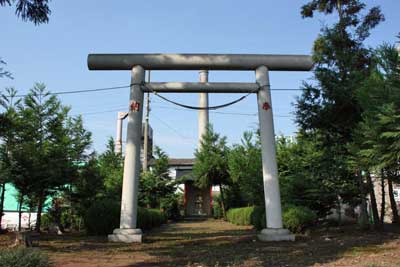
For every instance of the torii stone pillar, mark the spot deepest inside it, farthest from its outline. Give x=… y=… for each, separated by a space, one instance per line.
x=128 y=231
x=203 y=102
x=274 y=230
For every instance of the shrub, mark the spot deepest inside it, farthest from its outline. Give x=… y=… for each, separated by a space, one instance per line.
x=23 y=257
x=170 y=206
x=149 y=218
x=258 y=217
x=240 y=216
x=296 y=218
x=103 y=217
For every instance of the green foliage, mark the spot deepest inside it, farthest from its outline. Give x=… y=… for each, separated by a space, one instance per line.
x=47 y=144
x=297 y=218
x=150 y=218
x=328 y=111
x=37 y=11
x=157 y=189
x=47 y=221
x=23 y=257
x=240 y=216
x=254 y=215
x=211 y=164
x=111 y=170
x=258 y=219
x=109 y=212
x=216 y=208
x=303 y=175
x=245 y=170
x=87 y=187
x=377 y=134
x=170 y=206
x=102 y=217
x=3 y=72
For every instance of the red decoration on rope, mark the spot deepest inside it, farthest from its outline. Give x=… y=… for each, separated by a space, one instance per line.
x=266 y=106
x=134 y=106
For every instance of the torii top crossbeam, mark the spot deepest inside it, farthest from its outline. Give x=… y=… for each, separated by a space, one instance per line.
x=199 y=62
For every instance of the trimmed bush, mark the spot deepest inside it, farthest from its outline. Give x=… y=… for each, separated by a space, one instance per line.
x=103 y=217
x=258 y=218
x=149 y=218
x=23 y=257
x=241 y=216
x=295 y=218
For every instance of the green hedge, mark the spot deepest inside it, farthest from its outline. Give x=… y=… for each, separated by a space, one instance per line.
x=23 y=257
x=149 y=218
x=103 y=217
x=295 y=218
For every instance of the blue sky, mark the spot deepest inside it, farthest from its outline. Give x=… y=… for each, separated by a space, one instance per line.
x=56 y=54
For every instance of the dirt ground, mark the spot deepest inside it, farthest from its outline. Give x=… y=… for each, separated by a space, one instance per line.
x=218 y=243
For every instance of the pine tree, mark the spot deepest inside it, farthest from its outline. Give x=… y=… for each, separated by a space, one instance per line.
x=48 y=147
x=328 y=108
x=211 y=163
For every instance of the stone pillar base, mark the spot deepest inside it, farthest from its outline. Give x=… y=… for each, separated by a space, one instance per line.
x=272 y=234
x=126 y=236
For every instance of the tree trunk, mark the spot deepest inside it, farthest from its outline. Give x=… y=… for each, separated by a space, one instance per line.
x=20 y=203
x=39 y=211
x=363 y=219
x=339 y=210
x=393 y=204
x=222 y=201
x=383 y=197
x=3 y=190
x=374 y=205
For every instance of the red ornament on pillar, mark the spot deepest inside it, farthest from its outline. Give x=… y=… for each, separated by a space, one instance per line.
x=266 y=106
x=134 y=106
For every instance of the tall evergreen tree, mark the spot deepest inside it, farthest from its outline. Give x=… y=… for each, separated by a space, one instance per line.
x=49 y=145
x=378 y=133
x=8 y=122
x=328 y=108
x=211 y=163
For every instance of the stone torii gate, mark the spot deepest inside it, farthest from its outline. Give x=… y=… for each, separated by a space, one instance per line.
x=261 y=64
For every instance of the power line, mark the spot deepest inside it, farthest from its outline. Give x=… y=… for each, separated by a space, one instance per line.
x=128 y=86
x=172 y=128
x=223 y=113
x=84 y=90
x=99 y=112
x=181 y=109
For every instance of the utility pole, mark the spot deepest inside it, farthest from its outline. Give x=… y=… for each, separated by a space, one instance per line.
x=146 y=129
x=118 y=139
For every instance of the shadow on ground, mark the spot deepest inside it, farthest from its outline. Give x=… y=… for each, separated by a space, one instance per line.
x=198 y=244
x=218 y=243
